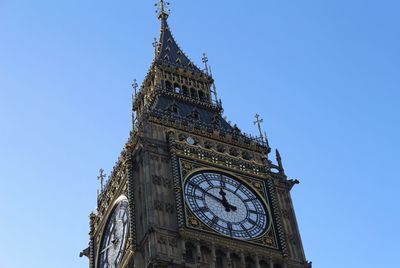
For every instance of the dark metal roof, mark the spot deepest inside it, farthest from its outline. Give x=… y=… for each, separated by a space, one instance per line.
x=185 y=111
x=169 y=52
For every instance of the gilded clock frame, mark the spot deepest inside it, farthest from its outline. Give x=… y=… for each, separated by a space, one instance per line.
x=258 y=185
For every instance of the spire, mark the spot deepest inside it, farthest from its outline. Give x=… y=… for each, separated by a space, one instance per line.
x=168 y=52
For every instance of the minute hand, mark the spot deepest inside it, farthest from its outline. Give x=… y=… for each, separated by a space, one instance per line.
x=213 y=196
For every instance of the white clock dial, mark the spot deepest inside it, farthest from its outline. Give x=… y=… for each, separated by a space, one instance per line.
x=114 y=237
x=226 y=205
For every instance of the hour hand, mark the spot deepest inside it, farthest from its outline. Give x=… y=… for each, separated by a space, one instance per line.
x=107 y=247
x=228 y=207
x=213 y=196
x=113 y=243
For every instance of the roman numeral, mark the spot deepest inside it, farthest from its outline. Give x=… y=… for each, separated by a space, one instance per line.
x=237 y=188
x=214 y=221
x=223 y=185
x=250 y=199
x=252 y=222
x=202 y=209
x=245 y=230
x=207 y=180
x=230 y=228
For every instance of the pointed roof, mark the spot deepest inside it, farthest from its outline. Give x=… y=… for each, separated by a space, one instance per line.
x=168 y=51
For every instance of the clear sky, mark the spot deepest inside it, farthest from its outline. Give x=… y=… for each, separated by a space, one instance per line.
x=324 y=75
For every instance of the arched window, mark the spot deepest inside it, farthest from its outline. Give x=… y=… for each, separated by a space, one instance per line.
x=249 y=263
x=174 y=108
x=193 y=93
x=235 y=260
x=220 y=259
x=189 y=254
x=201 y=95
x=168 y=85
x=264 y=264
x=185 y=91
x=206 y=254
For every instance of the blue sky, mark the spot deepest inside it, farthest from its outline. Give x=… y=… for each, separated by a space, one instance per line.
x=324 y=75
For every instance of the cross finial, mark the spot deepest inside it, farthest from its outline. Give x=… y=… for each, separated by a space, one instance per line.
x=162 y=9
x=135 y=86
x=258 y=122
x=205 y=61
x=101 y=177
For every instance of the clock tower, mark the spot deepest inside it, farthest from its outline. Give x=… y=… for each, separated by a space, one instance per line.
x=189 y=189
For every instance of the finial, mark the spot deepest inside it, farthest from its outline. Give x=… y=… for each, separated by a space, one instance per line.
x=205 y=61
x=101 y=177
x=214 y=90
x=155 y=45
x=162 y=9
x=263 y=136
x=258 y=122
x=279 y=160
x=135 y=86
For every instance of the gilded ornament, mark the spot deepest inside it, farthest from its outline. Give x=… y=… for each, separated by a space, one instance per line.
x=194 y=222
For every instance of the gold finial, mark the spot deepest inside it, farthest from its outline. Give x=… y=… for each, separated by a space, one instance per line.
x=162 y=9
x=101 y=177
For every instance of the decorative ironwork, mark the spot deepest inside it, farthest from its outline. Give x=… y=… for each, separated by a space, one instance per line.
x=263 y=136
x=162 y=9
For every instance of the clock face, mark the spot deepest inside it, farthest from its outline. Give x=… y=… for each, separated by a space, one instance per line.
x=226 y=205
x=114 y=237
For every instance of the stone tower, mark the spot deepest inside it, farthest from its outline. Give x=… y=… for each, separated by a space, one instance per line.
x=189 y=189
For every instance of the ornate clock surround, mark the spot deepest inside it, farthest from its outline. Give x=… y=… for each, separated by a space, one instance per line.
x=190 y=158
x=188 y=167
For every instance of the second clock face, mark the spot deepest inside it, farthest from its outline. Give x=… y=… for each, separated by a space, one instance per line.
x=226 y=205
x=114 y=238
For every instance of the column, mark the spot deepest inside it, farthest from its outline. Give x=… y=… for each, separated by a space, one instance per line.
x=228 y=258
x=257 y=260
x=198 y=251
x=271 y=263
x=183 y=246
x=213 y=256
x=243 y=259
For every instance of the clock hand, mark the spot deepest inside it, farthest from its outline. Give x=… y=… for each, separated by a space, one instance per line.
x=213 y=196
x=225 y=202
x=210 y=194
x=113 y=243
